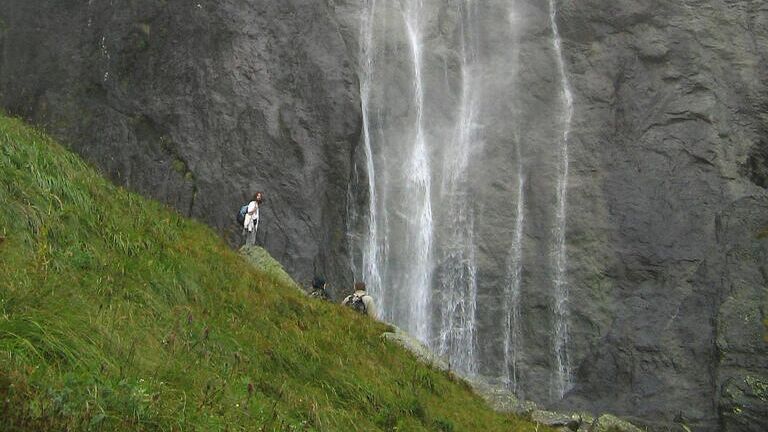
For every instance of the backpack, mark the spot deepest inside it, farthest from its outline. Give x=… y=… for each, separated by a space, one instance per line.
x=357 y=304
x=319 y=294
x=241 y=214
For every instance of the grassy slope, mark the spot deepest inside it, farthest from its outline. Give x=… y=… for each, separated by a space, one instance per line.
x=118 y=314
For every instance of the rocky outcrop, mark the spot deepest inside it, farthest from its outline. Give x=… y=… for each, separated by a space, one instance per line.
x=609 y=423
x=559 y=420
x=419 y=350
x=199 y=104
x=262 y=260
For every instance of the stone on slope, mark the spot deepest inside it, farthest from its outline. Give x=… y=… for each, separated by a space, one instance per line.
x=611 y=423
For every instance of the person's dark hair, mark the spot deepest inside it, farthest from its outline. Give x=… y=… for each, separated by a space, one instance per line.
x=318 y=282
x=258 y=197
x=359 y=286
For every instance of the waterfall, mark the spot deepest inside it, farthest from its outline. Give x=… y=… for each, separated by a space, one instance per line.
x=513 y=339
x=440 y=100
x=562 y=376
x=418 y=196
x=512 y=288
x=90 y=17
x=105 y=56
x=458 y=277
x=352 y=218
x=371 y=257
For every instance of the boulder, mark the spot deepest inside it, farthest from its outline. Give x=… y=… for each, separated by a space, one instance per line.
x=261 y=259
x=417 y=348
x=611 y=423
x=554 y=419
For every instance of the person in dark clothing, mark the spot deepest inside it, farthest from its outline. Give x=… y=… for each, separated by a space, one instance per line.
x=318 y=288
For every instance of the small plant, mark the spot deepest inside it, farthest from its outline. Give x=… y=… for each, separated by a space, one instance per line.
x=179 y=166
x=763 y=233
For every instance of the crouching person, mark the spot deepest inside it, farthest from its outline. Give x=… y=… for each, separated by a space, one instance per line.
x=318 y=289
x=360 y=301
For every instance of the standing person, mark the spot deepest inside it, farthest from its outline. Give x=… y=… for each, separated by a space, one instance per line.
x=251 y=223
x=360 y=301
x=318 y=288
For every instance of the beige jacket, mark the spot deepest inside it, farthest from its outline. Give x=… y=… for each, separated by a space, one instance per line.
x=370 y=307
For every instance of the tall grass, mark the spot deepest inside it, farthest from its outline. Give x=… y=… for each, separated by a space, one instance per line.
x=117 y=314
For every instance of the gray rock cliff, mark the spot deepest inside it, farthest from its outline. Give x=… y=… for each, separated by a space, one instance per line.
x=670 y=156
x=199 y=104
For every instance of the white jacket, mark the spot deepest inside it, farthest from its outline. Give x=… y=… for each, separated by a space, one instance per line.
x=370 y=307
x=251 y=222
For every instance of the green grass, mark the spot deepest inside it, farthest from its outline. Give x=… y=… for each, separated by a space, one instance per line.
x=118 y=314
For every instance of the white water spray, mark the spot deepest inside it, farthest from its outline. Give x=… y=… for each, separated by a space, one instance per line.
x=90 y=17
x=371 y=256
x=458 y=279
x=512 y=289
x=562 y=379
x=418 y=192
x=513 y=339
x=105 y=55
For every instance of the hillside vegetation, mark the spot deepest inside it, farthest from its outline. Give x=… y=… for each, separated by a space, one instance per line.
x=116 y=313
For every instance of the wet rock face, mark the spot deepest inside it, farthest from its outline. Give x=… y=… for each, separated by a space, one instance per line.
x=666 y=195
x=199 y=104
x=668 y=272
x=742 y=327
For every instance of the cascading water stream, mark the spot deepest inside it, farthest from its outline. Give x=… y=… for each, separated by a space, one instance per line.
x=371 y=256
x=90 y=17
x=105 y=56
x=512 y=289
x=562 y=376
x=458 y=278
x=513 y=339
x=418 y=195
x=418 y=250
